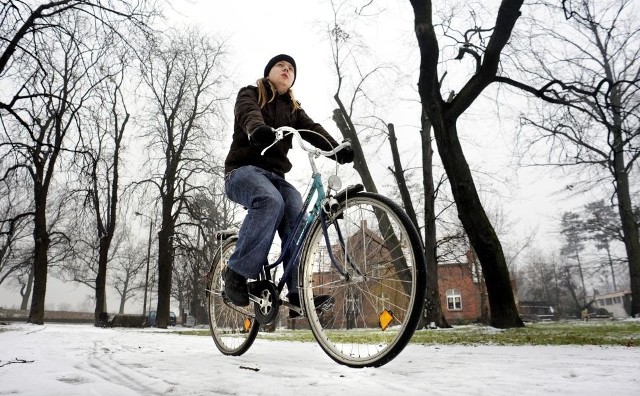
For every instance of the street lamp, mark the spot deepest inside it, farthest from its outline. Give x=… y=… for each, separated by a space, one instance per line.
x=146 y=278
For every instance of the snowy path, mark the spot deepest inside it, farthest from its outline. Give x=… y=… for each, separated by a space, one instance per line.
x=84 y=360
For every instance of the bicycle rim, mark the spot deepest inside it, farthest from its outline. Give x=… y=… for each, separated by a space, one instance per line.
x=377 y=296
x=233 y=328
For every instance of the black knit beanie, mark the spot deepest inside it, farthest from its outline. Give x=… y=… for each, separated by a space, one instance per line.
x=278 y=58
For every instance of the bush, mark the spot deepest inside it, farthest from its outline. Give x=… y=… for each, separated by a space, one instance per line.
x=121 y=320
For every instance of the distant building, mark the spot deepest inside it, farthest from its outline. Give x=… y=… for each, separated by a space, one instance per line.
x=618 y=304
x=460 y=296
x=463 y=293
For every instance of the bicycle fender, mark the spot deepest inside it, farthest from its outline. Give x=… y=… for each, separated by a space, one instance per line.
x=223 y=235
x=349 y=190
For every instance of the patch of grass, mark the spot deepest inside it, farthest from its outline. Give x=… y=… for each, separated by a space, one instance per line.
x=621 y=333
x=195 y=332
x=625 y=333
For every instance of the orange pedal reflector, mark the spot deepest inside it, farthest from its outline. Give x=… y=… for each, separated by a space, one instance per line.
x=247 y=324
x=386 y=317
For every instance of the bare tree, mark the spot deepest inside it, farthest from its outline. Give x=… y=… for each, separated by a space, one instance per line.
x=101 y=169
x=571 y=229
x=47 y=54
x=54 y=93
x=597 y=226
x=589 y=66
x=21 y=24
x=185 y=81
x=443 y=115
x=433 y=307
x=14 y=230
x=603 y=227
x=16 y=250
x=542 y=280
x=126 y=272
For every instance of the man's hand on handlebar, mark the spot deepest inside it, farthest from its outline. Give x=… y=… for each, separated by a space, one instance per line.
x=346 y=155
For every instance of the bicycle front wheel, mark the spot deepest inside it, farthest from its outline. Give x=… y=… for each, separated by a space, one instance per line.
x=233 y=328
x=370 y=296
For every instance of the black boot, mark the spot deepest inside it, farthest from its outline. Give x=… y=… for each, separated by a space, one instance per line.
x=235 y=287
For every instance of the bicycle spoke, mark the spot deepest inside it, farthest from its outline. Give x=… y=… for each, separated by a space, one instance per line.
x=377 y=302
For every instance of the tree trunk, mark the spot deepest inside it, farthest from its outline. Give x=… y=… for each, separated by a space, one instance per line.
x=27 y=289
x=629 y=231
x=485 y=316
x=345 y=125
x=106 y=232
x=433 y=303
x=101 y=280
x=125 y=291
x=40 y=259
x=443 y=117
x=398 y=174
x=165 y=257
x=613 y=273
x=583 y=294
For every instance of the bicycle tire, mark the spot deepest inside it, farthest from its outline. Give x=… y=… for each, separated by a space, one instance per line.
x=378 y=299
x=234 y=329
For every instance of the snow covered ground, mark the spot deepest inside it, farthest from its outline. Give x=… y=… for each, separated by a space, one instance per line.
x=59 y=359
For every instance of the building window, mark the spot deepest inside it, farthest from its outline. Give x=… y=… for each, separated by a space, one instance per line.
x=454 y=300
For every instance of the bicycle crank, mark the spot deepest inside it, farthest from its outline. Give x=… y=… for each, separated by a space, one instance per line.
x=264 y=295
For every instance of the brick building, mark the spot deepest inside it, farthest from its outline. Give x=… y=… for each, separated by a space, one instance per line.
x=460 y=296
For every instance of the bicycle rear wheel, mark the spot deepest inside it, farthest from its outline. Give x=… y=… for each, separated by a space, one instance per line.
x=376 y=287
x=233 y=328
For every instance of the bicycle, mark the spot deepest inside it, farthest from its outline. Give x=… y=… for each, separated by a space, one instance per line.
x=358 y=248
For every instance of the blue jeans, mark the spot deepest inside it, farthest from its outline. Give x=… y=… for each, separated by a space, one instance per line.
x=273 y=205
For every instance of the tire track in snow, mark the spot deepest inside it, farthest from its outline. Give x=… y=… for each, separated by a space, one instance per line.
x=111 y=361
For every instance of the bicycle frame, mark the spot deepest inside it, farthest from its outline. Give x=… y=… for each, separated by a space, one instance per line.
x=302 y=225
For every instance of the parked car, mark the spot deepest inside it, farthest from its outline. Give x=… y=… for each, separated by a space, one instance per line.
x=150 y=319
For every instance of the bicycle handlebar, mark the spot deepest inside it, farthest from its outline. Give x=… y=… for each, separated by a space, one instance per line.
x=283 y=131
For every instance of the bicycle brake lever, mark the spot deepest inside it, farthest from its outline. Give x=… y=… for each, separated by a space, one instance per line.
x=279 y=136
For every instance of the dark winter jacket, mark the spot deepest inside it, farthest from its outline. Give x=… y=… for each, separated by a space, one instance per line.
x=249 y=116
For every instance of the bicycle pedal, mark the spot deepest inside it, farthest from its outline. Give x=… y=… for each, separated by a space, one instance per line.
x=226 y=299
x=294 y=310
